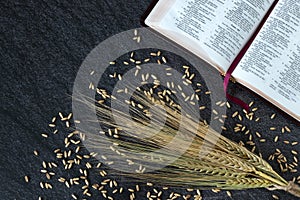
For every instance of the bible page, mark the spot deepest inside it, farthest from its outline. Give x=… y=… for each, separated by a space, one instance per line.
x=271 y=66
x=215 y=30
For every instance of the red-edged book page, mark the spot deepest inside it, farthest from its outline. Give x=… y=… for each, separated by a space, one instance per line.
x=271 y=66
x=215 y=30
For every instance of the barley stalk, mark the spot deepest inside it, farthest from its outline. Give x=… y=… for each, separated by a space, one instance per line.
x=223 y=164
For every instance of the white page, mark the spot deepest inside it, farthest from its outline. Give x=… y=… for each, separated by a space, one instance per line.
x=218 y=29
x=272 y=63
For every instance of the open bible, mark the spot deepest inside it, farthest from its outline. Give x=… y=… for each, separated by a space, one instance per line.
x=218 y=30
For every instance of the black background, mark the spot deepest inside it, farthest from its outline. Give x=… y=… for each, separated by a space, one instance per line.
x=43 y=44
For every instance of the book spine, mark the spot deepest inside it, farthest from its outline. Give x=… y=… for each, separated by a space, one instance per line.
x=239 y=57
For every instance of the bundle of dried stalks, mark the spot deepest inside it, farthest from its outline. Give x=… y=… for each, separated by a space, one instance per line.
x=209 y=160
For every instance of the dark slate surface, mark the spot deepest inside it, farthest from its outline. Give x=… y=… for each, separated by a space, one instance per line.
x=43 y=44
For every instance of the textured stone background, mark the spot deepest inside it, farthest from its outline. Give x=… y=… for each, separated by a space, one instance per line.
x=43 y=43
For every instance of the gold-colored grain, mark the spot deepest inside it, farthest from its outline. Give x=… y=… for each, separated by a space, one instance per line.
x=294 y=152
x=228 y=193
x=74 y=196
x=35 y=152
x=287 y=129
x=273 y=116
x=42 y=185
x=26 y=178
x=235 y=114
